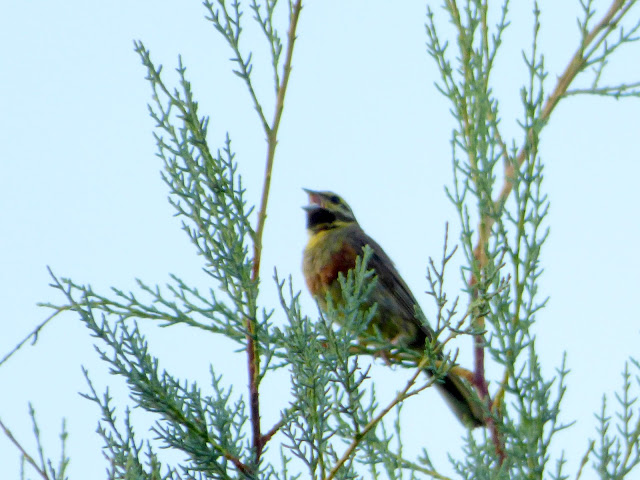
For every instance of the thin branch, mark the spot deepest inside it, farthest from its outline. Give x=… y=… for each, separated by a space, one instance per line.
x=33 y=334
x=242 y=467
x=585 y=458
x=414 y=466
x=24 y=453
x=400 y=397
x=253 y=357
x=575 y=66
x=272 y=138
x=231 y=32
x=267 y=436
x=616 y=91
x=279 y=424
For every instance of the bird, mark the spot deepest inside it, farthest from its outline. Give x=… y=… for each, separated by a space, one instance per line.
x=336 y=239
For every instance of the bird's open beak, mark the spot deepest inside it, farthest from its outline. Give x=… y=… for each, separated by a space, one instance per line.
x=315 y=199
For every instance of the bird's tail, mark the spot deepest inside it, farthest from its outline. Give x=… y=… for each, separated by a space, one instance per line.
x=461 y=399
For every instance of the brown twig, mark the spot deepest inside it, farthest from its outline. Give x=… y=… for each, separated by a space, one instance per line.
x=24 y=453
x=498 y=399
x=574 y=67
x=585 y=458
x=253 y=357
x=267 y=436
x=419 y=468
x=496 y=438
x=240 y=466
x=465 y=47
x=577 y=63
x=401 y=396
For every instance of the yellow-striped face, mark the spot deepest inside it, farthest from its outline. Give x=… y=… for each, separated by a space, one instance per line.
x=327 y=210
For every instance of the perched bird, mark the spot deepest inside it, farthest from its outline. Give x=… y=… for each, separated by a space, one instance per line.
x=335 y=241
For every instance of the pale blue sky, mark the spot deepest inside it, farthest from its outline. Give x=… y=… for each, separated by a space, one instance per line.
x=81 y=192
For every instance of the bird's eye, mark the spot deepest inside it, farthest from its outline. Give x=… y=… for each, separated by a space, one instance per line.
x=335 y=199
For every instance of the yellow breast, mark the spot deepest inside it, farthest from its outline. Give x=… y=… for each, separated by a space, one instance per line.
x=327 y=254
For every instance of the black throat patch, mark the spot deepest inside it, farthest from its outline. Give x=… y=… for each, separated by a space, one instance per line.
x=320 y=219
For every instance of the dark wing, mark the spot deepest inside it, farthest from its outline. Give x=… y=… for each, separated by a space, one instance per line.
x=395 y=297
x=404 y=303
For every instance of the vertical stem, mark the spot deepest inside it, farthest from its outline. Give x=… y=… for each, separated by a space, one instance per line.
x=253 y=356
x=575 y=66
x=272 y=139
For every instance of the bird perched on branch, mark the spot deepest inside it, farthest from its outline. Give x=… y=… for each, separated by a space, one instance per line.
x=335 y=241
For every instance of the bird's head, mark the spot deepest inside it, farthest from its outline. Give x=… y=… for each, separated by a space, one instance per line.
x=327 y=210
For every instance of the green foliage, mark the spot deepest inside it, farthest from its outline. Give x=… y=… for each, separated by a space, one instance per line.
x=509 y=207
x=617 y=454
x=334 y=426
